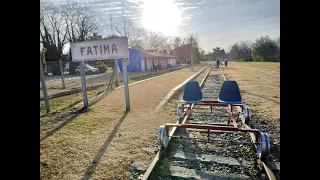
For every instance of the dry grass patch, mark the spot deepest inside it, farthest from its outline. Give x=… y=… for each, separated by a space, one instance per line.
x=272 y=68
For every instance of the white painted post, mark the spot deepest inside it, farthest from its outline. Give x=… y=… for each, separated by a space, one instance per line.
x=117 y=72
x=83 y=85
x=191 y=59
x=125 y=82
x=61 y=72
x=44 y=87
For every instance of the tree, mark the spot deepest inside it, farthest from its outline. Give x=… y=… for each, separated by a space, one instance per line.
x=155 y=41
x=177 y=42
x=241 y=50
x=81 y=22
x=131 y=31
x=245 y=46
x=202 y=52
x=52 y=34
x=234 y=52
x=138 y=44
x=184 y=41
x=217 y=52
x=278 y=44
x=192 y=46
x=192 y=39
x=52 y=30
x=95 y=36
x=183 y=49
x=60 y=24
x=265 y=49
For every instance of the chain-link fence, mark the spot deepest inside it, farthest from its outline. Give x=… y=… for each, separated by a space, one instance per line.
x=63 y=77
x=63 y=81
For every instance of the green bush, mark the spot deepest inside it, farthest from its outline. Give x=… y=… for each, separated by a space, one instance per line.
x=99 y=63
x=238 y=60
x=102 y=68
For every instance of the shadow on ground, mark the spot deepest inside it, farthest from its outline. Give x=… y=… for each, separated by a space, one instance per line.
x=103 y=149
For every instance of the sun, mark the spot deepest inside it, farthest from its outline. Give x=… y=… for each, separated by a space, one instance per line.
x=161 y=16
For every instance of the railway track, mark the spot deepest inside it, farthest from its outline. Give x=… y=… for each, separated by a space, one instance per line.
x=192 y=154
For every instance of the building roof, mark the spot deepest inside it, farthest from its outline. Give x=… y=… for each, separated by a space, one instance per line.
x=153 y=54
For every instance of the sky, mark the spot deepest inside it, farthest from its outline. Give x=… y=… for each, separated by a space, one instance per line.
x=217 y=23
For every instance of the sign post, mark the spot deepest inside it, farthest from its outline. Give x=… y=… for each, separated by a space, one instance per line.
x=191 y=59
x=83 y=85
x=125 y=82
x=116 y=68
x=44 y=87
x=61 y=72
x=114 y=48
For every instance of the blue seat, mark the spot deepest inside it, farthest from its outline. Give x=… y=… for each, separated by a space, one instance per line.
x=192 y=93
x=230 y=93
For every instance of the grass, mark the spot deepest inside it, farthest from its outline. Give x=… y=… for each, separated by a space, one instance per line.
x=268 y=67
x=197 y=67
x=109 y=70
x=64 y=102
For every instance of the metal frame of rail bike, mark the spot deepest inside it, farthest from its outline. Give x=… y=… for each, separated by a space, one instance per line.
x=262 y=140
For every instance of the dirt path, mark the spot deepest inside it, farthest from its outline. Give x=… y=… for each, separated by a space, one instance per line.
x=101 y=143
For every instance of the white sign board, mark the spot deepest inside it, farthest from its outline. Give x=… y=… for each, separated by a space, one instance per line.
x=100 y=50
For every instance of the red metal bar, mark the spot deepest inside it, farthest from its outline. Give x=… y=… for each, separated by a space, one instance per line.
x=167 y=129
x=216 y=104
x=215 y=101
x=211 y=127
x=210 y=101
x=211 y=104
x=185 y=106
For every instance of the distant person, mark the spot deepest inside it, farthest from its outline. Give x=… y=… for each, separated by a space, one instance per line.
x=225 y=62
x=218 y=62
